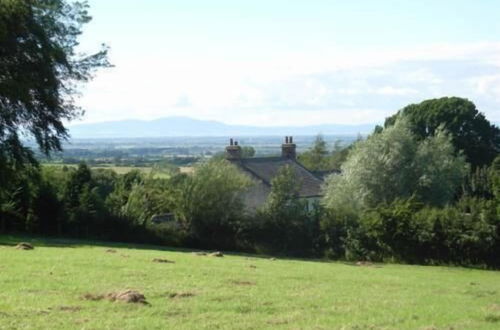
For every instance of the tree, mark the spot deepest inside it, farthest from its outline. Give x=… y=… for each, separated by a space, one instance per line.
x=39 y=73
x=339 y=155
x=495 y=178
x=470 y=131
x=247 y=152
x=284 y=224
x=209 y=202
x=315 y=159
x=394 y=164
x=283 y=200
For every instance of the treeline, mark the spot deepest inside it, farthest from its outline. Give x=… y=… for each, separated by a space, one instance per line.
x=207 y=208
x=416 y=190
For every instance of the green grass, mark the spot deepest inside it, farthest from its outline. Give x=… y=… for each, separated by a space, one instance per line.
x=42 y=289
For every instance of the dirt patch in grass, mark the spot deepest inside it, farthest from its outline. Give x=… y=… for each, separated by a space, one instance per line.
x=480 y=293
x=212 y=254
x=494 y=308
x=110 y=251
x=69 y=308
x=163 y=261
x=179 y=295
x=176 y=313
x=242 y=283
x=278 y=322
x=24 y=246
x=93 y=297
x=127 y=296
x=252 y=266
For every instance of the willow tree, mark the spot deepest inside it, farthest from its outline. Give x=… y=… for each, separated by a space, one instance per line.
x=395 y=164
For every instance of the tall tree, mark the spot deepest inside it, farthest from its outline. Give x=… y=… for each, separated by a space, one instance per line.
x=394 y=164
x=470 y=131
x=40 y=70
x=315 y=159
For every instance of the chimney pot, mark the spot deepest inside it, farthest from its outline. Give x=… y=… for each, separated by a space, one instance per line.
x=288 y=149
x=233 y=150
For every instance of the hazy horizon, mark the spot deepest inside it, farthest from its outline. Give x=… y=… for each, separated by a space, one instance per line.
x=290 y=62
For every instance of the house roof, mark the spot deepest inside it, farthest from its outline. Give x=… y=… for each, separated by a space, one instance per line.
x=266 y=168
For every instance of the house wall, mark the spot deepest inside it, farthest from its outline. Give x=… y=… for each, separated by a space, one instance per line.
x=256 y=196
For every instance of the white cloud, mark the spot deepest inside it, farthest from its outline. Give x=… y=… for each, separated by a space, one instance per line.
x=332 y=87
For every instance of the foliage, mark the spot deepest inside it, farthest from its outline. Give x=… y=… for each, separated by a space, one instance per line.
x=406 y=230
x=39 y=74
x=471 y=132
x=478 y=183
x=315 y=159
x=392 y=165
x=247 y=152
x=209 y=203
x=495 y=178
x=338 y=155
x=318 y=158
x=40 y=71
x=284 y=223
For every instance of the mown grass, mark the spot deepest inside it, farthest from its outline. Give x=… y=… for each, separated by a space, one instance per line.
x=43 y=289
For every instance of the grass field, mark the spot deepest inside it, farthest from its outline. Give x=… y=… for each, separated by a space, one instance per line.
x=158 y=173
x=43 y=289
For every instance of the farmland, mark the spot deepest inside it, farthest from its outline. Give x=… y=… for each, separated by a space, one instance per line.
x=46 y=288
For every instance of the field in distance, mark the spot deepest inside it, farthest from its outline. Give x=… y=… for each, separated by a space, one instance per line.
x=158 y=173
x=62 y=284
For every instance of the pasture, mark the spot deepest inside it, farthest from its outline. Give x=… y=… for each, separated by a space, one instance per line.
x=61 y=284
x=157 y=173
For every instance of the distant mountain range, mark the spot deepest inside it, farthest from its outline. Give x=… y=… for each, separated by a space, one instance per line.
x=184 y=126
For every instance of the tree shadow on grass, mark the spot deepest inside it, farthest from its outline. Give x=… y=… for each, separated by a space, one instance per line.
x=37 y=241
x=58 y=242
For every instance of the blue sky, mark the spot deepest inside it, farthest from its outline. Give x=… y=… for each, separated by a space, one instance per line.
x=290 y=62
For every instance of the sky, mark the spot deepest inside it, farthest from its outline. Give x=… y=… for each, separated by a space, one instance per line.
x=289 y=62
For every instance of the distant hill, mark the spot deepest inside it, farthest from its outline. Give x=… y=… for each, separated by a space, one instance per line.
x=183 y=126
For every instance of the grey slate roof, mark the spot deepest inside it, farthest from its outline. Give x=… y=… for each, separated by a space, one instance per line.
x=266 y=168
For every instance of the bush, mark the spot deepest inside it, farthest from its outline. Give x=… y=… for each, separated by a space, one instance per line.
x=408 y=231
x=209 y=205
x=285 y=224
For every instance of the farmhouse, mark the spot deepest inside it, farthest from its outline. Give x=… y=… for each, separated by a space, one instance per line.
x=263 y=169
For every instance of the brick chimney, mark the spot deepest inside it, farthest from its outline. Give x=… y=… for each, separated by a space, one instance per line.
x=233 y=150
x=288 y=149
